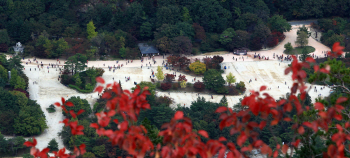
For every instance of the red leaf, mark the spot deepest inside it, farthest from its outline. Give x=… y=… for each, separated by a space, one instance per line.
x=262 y=124
x=221 y=109
x=203 y=133
x=296 y=143
x=301 y=130
x=29 y=143
x=106 y=95
x=63 y=100
x=94 y=125
x=178 y=115
x=100 y=80
x=222 y=139
x=310 y=59
x=80 y=111
x=275 y=153
x=69 y=104
x=262 y=88
x=99 y=89
x=341 y=100
x=82 y=149
x=274 y=122
x=241 y=139
x=58 y=104
x=287 y=70
x=111 y=113
x=319 y=106
x=316 y=68
x=116 y=121
x=73 y=114
x=285 y=148
x=336 y=47
x=324 y=71
x=287 y=119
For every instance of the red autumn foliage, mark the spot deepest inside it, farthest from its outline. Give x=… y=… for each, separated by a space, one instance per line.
x=199 y=86
x=179 y=138
x=272 y=41
x=169 y=78
x=3 y=47
x=182 y=78
x=165 y=86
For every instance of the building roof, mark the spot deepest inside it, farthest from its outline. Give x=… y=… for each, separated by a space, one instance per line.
x=146 y=49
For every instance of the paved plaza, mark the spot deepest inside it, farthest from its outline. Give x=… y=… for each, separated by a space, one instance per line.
x=270 y=72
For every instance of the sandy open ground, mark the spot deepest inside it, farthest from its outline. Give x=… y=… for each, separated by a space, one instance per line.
x=267 y=72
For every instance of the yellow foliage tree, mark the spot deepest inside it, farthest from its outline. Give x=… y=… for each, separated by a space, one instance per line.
x=183 y=84
x=198 y=67
x=160 y=74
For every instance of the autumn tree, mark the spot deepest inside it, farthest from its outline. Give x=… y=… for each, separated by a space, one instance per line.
x=181 y=45
x=160 y=74
x=163 y=44
x=198 y=67
x=199 y=32
x=230 y=78
x=90 y=28
x=184 y=62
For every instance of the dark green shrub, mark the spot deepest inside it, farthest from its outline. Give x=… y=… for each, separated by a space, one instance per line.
x=51 y=109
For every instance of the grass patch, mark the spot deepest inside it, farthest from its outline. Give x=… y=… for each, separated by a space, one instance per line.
x=299 y=50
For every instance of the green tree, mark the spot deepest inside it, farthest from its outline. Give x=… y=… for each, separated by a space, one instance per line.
x=304 y=29
x=160 y=74
x=20 y=98
x=76 y=63
x=186 y=17
x=30 y=120
x=13 y=79
x=227 y=35
x=99 y=151
x=278 y=23
x=77 y=79
x=4 y=37
x=213 y=80
x=16 y=144
x=288 y=47
x=230 y=78
x=168 y=15
x=78 y=104
x=3 y=74
x=152 y=131
x=122 y=52
x=304 y=54
x=273 y=141
x=60 y=46
x=20 y=83
x=146 y=30
x=302 y=39
x=89 y=155
x=53 y=145
x=90 y=28
x=197 y=67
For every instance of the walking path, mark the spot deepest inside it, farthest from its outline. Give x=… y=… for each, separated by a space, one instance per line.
x=268 y=72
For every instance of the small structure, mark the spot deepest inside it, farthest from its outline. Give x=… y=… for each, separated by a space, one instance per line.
x=147 y=50
x=241 y=51
x=18 y=48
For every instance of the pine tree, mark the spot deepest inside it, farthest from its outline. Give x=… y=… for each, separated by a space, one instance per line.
x=53 y=145
x=223 y=101
x=91 y=30
x=160 y=74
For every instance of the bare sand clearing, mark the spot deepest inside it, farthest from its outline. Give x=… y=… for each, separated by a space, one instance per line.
x=267 y=72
